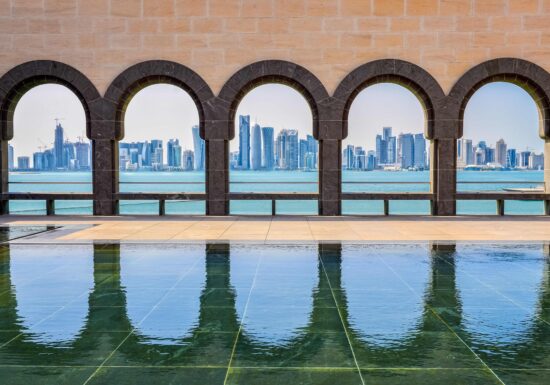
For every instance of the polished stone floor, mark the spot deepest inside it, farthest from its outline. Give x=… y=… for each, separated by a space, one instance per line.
x=297 y=228
x=287 y=313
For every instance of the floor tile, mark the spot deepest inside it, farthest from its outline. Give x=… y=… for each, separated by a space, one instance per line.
x=44 y=375
x=148 y=376
x=303 y=376
x=429 y=377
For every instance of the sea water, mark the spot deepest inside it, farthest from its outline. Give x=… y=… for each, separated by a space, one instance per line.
x=276 y=181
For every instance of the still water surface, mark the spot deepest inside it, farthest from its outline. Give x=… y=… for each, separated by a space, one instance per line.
x=274 y=314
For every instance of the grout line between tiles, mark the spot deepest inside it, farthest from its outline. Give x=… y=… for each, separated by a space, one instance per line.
x=444 y=322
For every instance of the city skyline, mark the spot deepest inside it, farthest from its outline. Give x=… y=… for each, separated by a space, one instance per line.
x=174 y=109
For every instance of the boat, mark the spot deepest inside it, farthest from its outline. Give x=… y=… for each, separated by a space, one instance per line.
x=525 y=189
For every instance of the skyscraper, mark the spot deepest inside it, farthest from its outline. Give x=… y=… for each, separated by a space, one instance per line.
x=406 y=150
x=313 y=149
x=500 y=152
x=419 y=151
x=23 y=163
x=511 y=158
x=256 y=149
x=10 y=157
x=391 y=144
x=82 y=155
x=381 y=150
x=304 y=151
x=347 y=157
x=188 y=160
x=268 y=148
x=286 y=150
x=244 y=142
x=174 y=153
x=156 y=154
x=38 y=161
x=58 y=146
x=198 y=146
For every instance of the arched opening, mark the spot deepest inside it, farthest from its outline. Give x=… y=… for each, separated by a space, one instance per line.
x=50 y=151
x=273 y=150
x=386 y=150
x=162 y=151
x=500 y=149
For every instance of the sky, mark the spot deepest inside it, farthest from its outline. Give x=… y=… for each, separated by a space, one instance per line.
x=497 y=110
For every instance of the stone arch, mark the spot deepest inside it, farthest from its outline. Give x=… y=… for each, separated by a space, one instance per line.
x=529 y=76
x=409 y=75
x=272 y=71
x=22 y=78
x=134 y=79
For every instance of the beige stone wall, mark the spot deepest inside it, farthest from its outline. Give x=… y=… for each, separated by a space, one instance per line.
x=217 y=37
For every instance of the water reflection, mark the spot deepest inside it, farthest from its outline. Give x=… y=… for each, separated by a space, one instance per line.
x=375 y=276
x=51 y=291
x=163 y=288
x=280 y=287
x=274 y=306
x=500 y=295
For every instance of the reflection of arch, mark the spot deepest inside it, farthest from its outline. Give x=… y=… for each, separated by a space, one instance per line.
x=16 y=82
x=145 y=275
x=70 y=279
x=107 y=311
x=368 y=313
x=292 y=278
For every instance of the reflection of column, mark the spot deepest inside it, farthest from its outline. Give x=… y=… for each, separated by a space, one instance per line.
x=8 y=302
x=107 y=301
x=217 y=302
x=4 y=174
x=330 y=177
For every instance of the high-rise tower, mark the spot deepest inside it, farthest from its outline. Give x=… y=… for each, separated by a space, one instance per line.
x=244 y=142
x=256 y=149
x=58 y=146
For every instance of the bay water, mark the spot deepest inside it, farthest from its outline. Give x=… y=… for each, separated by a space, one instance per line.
x=276 y=181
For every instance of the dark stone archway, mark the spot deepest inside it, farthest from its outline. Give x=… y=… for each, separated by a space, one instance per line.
x=529 y=76
x=116 y=100
x=416 y=80
x=279 y=72
x=16 y=82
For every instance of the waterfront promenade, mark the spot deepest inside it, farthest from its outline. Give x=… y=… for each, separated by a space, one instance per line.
x=294 y=228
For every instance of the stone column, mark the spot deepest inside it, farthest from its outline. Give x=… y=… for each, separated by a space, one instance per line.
x=105 y=176
x=217 y=176
x=443 y=171
x=330 y=133
x=330 y=177
x=216 y=130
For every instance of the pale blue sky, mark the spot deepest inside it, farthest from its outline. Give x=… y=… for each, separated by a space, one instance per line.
x=164 y=112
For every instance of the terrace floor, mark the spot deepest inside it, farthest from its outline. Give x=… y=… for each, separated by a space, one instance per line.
x=281 y=228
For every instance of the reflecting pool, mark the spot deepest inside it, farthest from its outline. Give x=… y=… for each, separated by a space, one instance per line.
x=245 y=313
